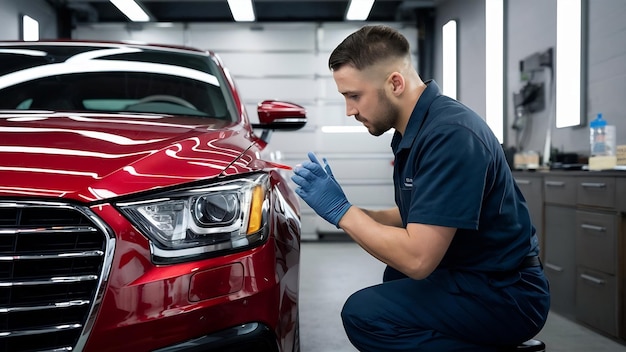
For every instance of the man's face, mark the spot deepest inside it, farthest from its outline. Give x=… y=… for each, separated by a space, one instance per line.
x=366 y=98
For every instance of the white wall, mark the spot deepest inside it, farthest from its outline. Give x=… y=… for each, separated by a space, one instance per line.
x=532 y=27
x=12 y=10
x=606 y=80
x=288 y=61
x=524 y=40
x=470 y=17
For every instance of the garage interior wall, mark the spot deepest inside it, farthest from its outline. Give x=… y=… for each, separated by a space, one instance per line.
x=530 y=27
x=10 y=17
x=288 y=62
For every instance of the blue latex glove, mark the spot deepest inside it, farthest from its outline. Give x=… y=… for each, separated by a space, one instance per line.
x=319 y=189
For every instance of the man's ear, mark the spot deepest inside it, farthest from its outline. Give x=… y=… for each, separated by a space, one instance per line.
x=397 y=83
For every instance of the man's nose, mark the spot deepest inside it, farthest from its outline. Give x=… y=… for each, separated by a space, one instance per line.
x=351 y=110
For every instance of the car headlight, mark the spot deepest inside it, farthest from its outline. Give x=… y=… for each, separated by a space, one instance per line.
x=200 y=221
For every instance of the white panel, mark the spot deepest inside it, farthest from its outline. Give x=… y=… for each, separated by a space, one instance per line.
x=309 y=226
x=335 y=115
x=377 y=168
x=246 y=37
x=321 y=65
x=354 y=143
x=100 y=32
x=365 y=196
x=331 y=34
x=281 y=89
x=171 y=36
x=329 y=90
x=258 y=64
x=293 y=143
x=370 y=167
x=368 y=196
x=143 y=33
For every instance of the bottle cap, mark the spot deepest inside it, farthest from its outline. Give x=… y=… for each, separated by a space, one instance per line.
x=598 y=122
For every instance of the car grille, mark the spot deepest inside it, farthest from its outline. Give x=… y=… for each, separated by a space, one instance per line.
x=54 y=259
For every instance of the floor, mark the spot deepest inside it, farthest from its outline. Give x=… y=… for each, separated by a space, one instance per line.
x=332 y=270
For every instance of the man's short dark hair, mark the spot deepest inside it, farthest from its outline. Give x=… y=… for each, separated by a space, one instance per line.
x=369 y=45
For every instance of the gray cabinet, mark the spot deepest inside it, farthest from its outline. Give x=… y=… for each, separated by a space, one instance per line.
x=532 y=189
x=597 y=253
x=559 y=261
x=584 y=225
x=560 y=242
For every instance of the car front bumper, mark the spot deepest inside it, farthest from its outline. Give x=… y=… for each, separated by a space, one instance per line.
x=242 y=338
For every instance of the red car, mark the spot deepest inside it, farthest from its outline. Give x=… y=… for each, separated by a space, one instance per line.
x=139 y=210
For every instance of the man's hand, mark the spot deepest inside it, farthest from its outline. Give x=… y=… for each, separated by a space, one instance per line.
x=320 y=191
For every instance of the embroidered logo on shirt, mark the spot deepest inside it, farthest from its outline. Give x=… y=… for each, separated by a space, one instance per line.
x=408 y=182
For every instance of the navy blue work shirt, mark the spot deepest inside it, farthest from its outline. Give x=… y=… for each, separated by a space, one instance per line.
x=450 y=170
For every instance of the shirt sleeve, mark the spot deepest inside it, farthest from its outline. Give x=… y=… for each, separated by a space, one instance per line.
x=450 y=178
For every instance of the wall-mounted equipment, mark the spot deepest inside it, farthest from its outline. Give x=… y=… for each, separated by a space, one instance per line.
x=535 y=70
x=531 y=97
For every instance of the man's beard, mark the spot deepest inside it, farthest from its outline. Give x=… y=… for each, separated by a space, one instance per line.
x=387 y=115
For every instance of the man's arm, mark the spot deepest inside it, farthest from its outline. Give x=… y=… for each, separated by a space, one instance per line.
x=389 y=217
x=415 y=250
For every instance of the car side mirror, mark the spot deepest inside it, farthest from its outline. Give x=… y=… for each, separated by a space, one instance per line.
x=279 y=115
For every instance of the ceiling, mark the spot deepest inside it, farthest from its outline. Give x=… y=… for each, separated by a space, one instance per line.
x=187 y=11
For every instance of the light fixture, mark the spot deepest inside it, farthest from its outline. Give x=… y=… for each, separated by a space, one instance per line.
x=494 y=60
x=359 y=10
x=131 y=10
x=569 y=54
x=242 y=10
x=30 y=28
x=449 y=59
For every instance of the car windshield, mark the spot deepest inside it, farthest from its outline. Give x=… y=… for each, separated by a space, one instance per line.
x=109 y=78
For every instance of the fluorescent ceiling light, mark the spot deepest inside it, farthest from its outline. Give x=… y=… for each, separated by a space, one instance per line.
x=568 y=62
x=359 y=10
x=449 y=59
x=133 y=11
x=494 y=60
x=242 y=10
x=30 y=28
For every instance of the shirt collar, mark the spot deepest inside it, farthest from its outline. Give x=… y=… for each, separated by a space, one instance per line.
x=418 y=115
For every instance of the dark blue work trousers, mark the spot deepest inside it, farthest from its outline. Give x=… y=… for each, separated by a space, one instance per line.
x=448 y=311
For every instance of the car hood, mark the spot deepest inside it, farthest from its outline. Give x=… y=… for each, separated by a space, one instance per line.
x=90 y=157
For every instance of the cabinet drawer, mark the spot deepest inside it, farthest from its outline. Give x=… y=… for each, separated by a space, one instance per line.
x=559 y=255
x=529 y=185
x=559 y=190
x=596 y=191
x=596 y=300
x=596 y=241
x=532 y=189
x=562 y=287
x=620 y=193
